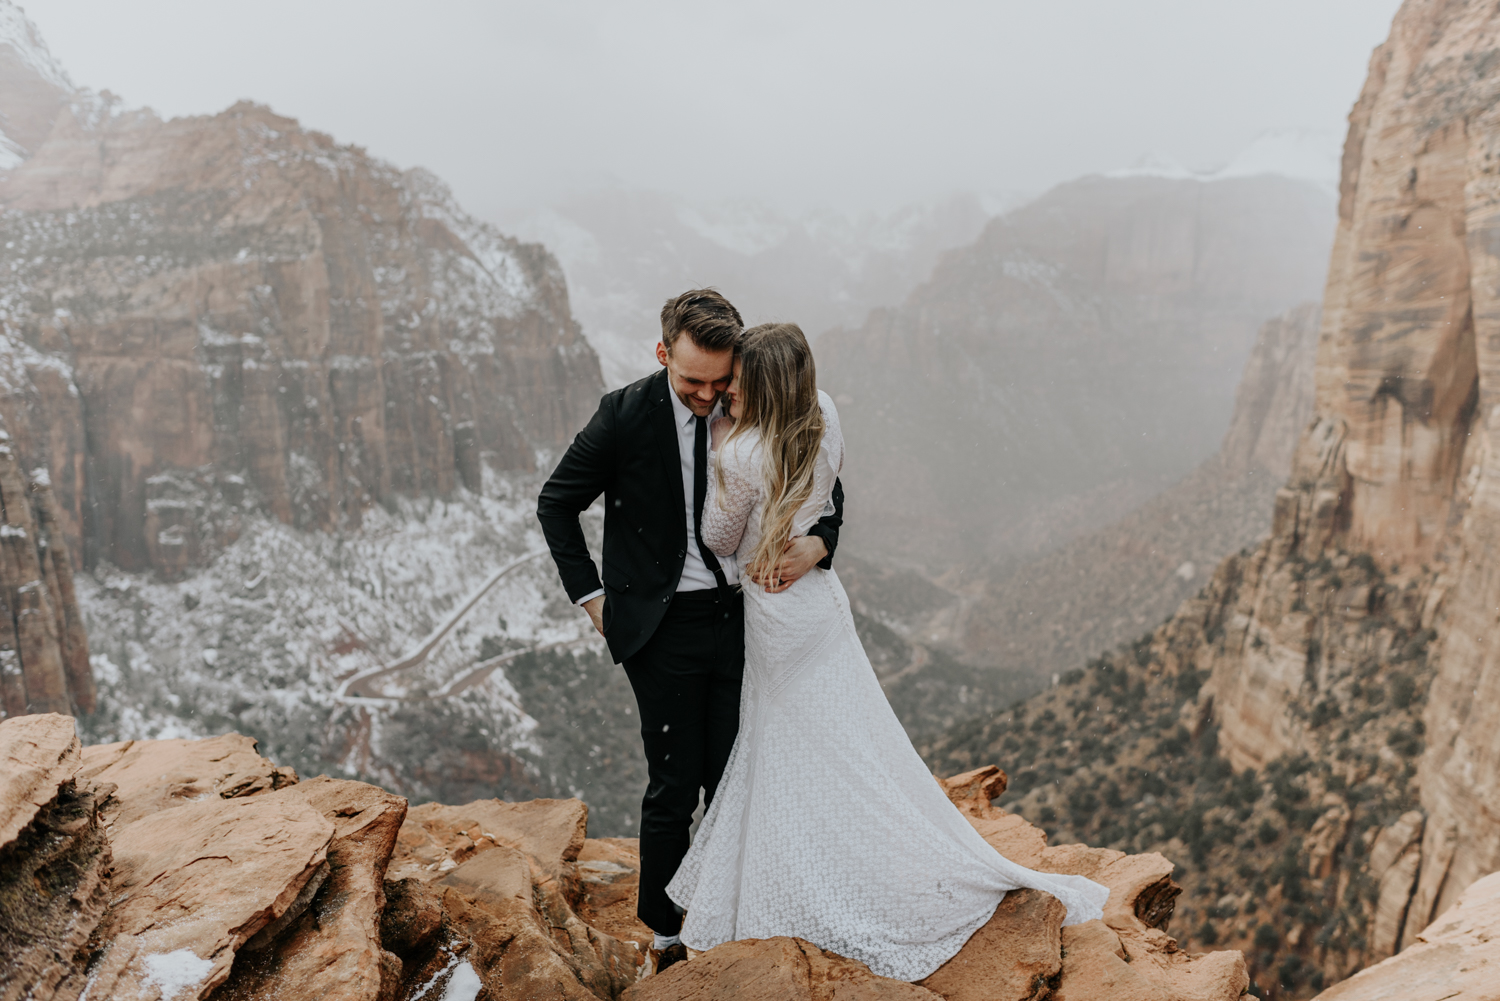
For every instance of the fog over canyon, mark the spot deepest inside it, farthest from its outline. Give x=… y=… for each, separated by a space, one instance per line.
x=1168 y=492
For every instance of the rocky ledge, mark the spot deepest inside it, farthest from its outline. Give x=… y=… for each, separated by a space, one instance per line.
x=176 y=869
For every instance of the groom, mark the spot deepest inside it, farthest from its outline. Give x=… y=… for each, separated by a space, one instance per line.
x=670 y=610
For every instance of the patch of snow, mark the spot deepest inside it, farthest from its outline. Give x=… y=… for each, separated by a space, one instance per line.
x=1156 y=164
x=1301 y=155
x=175 y=972
x=17 y=32
x=435 y=978
x=11 y=154
x=464 y=985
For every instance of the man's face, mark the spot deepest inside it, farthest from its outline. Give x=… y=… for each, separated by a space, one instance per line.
x=697 y=376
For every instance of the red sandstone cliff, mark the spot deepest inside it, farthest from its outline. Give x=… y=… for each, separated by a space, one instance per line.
x=1397 y=463
x=1346 y=667
x=215 y=314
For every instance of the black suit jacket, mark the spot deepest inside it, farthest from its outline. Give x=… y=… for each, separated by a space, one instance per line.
x=628 y=452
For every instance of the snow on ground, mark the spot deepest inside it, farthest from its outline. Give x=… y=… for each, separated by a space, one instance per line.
x=259 y=641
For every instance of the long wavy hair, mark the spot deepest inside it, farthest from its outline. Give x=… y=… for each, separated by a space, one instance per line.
x=778 y=392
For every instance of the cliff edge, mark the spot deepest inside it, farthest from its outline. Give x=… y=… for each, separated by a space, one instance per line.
x=178 y=869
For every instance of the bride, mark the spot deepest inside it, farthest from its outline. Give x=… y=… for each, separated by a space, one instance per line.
x=827 y=826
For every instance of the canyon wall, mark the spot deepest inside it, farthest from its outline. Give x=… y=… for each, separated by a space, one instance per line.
x=1399 y=463
x=231 y=313
x=1079 y=358
x=1340 y=678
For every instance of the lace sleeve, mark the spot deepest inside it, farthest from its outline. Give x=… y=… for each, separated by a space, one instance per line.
x=726 y=512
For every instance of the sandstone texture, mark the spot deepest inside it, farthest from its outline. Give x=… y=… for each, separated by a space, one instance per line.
x=1456 y=958
x=44 y=653
x=774 y=969
x=169 y=870
x=54 y=856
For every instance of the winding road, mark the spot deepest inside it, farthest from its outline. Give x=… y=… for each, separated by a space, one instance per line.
x=355 y=690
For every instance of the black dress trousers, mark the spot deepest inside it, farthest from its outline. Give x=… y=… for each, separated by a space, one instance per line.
x=687 y=687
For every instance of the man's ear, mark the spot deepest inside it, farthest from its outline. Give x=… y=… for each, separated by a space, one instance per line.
x=661 y=352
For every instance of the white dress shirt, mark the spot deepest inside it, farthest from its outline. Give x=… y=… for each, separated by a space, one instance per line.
x=696 y=576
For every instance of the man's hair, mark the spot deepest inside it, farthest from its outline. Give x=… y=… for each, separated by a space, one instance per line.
x=705 y=316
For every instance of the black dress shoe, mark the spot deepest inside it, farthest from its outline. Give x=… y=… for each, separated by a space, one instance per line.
x=663 y=958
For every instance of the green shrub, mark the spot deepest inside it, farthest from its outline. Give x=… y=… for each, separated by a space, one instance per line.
x=1267 y=937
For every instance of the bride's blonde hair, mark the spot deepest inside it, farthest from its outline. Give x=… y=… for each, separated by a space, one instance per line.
x=778 y=393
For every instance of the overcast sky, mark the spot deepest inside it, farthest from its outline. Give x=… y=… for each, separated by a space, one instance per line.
x=855 y=104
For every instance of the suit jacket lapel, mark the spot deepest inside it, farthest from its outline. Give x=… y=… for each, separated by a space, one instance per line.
x=664 y=426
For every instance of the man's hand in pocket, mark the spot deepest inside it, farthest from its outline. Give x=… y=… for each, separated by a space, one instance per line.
x=595 y=608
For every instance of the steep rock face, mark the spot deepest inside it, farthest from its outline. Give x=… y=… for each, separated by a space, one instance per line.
x=257 y=317
x=1400 y=462
x=1456 y=958
x=44 y=653
x=1343 y=671
x=54 y=856
x=1079 y=357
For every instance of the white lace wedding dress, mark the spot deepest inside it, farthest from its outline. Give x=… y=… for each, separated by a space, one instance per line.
x=827 y=825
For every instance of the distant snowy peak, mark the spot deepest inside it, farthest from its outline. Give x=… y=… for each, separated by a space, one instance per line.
x=20 y=36
x=1302 y=155
x=743 y=226
x=1156 y=164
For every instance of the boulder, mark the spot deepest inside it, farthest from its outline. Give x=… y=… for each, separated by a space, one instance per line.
x=972 y=791
x=152 y=775
x=53 y=866
x=333 y=949
x=1456 y=958
x=773 y=969
x=508 y=878
x=1015 y=956
x=1128 y=951
x=436 y=838
x=525 y=945
x=609 y=871
x=195 y=883
x=37 y=755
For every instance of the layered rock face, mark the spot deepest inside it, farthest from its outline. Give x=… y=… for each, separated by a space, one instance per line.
x=243 y=315
x=191 y=869
x=1078 y=358
x=1338 y=677
x=44 y=652
x=1455 y=958
x=1399 y=463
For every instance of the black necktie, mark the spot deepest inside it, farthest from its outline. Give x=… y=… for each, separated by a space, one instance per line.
x=700 y=492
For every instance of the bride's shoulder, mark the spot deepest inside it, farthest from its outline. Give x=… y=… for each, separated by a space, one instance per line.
x=830 y=412
x=741 y=448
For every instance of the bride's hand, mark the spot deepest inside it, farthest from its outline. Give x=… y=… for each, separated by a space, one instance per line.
x=718 y=430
